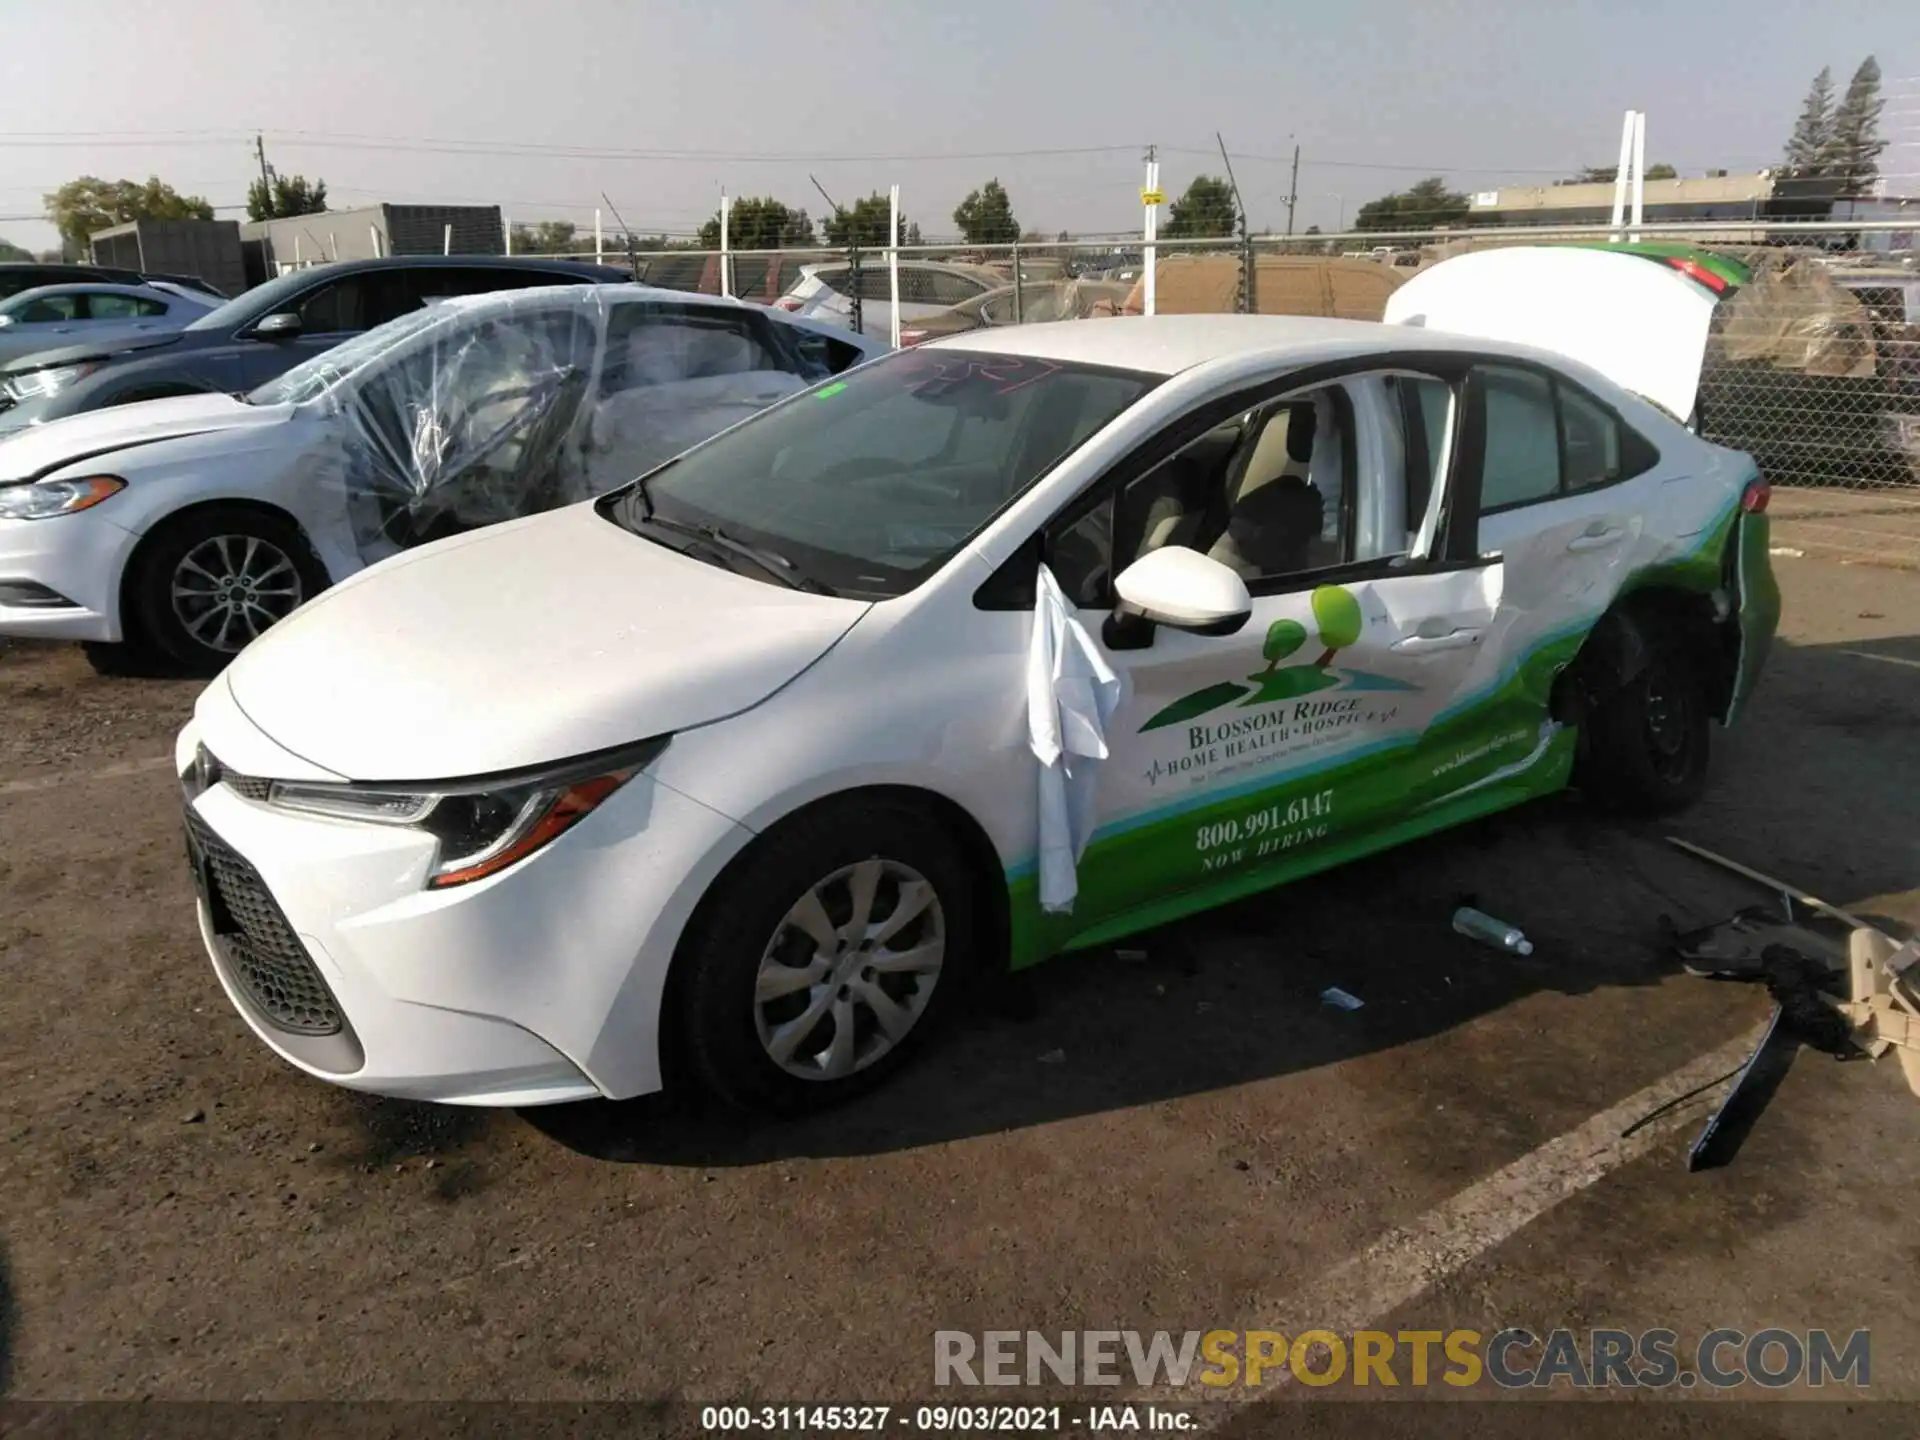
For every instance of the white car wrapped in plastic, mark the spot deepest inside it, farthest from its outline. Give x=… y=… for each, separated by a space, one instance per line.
x=183 y=528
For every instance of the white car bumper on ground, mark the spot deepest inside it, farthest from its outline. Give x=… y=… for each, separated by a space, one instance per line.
x=539 y=984
x=60 y=577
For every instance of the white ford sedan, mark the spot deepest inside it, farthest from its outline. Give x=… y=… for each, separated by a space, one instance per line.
x=178 y=530
x=1008 y=645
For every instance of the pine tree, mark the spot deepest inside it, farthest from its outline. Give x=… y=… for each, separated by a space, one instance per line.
x=1854 y=155
x=1809 y=147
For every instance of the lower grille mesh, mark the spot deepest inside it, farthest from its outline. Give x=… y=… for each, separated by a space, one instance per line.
x=265 y=957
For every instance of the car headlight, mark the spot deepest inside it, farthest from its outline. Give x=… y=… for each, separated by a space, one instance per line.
x=482 y=826
x=40 y=499
x=37 y=384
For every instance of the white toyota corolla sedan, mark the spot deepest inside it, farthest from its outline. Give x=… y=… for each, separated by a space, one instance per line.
x=1008 y=645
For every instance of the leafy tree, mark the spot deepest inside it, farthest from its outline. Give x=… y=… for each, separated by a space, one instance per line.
x=911 y=236
x=1205 y=211
x=1606 y=174
x=865 y=223
x=85 y=206
x=287 y=195
x=1853 y=156
x=548 y=237
x=761 y=223
x=12 y=252
x=1809 y=147
x=985 y=217
x=1422 y=206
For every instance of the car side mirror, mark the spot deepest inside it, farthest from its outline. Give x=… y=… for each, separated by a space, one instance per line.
x=1179 y=588
x=282 y=326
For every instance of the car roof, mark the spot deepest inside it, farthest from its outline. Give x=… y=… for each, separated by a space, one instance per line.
x=458 y=262
x=92 y=287
x=633 y=291
x=1168 y=344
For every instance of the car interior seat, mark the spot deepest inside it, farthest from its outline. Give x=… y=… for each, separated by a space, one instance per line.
x=1172 y=504
x=1273 y=512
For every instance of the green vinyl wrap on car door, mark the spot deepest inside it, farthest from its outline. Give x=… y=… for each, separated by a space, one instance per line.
x=1491 y=749
x=1234 y=842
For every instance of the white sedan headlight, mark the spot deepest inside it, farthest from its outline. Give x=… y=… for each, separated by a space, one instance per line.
x=38 y=384
x=483 y=826
x=42 y=499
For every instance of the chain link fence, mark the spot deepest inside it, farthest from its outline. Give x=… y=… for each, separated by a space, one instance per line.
x=1813 y=365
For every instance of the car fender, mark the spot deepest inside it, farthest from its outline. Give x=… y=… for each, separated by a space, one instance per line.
x=272 y=467
x=957 y=732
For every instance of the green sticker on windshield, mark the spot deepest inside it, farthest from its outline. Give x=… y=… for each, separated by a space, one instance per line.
x=830 y=391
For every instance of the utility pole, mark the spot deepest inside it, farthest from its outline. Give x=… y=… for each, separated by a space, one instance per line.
x=1293 y=189
x=266 y=172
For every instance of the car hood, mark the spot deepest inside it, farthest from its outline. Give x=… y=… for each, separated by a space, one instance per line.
x=107 y=347
x=1644 y=326
x=538 y=640
x=36 y=450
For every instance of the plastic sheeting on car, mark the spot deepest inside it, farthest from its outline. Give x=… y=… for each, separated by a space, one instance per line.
x=1794 y=317
x=489 y=408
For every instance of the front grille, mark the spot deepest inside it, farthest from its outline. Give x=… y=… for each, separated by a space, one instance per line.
x=211 y=772
x=264 y=957
x=247 y=787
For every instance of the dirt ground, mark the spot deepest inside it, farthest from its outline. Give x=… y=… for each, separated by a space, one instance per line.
x=1191 y=1141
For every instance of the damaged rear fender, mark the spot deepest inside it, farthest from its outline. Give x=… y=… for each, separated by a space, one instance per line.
x=1638 y=625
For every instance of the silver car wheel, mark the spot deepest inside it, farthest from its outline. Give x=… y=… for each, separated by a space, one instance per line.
x=229 y=589
x=849 y=970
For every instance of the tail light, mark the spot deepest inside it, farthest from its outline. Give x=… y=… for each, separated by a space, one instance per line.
x=786 y=302
x=1694 y=270
x=912 y=337
x=1754 y=498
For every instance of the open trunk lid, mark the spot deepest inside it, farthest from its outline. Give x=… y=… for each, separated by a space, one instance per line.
x=1643 y=326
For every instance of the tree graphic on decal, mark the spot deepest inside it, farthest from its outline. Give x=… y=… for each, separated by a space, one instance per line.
x=1338 y=615
x=1338 y=619
x=1283 y=638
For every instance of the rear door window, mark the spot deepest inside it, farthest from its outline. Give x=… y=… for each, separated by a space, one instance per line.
x=48 y=310
x=1546 y=437
x=122 y=307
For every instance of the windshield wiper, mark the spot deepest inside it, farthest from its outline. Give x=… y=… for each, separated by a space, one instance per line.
x=771 y=562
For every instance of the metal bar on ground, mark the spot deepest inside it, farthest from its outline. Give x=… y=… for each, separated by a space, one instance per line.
x=1779 y=887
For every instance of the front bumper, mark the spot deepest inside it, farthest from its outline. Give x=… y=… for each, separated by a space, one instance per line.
x=538 y=985
x=75 y=559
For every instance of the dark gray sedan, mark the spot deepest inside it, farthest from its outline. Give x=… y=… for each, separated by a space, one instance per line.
x=264 y=333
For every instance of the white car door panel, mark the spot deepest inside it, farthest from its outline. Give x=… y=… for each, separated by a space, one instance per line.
x=1344 y=704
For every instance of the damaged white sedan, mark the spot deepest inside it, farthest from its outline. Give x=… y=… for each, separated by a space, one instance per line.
x=183 y=528
x=1014 y=643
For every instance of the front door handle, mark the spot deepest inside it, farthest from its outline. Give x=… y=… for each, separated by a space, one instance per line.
x=1427 y=644
x=1596 y=539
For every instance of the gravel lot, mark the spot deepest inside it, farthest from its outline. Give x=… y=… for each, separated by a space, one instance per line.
x=1188 y=1141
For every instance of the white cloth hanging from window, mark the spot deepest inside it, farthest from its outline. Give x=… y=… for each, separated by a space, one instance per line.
x=1071 y=695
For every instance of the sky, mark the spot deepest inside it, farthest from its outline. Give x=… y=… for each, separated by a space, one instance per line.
x=661 y=105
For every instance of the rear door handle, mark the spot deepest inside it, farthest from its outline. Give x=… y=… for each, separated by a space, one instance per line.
x=1427 y=644
x=1596 y=540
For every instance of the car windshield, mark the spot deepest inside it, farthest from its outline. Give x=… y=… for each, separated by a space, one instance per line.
x=869 y=483
x=313 y=378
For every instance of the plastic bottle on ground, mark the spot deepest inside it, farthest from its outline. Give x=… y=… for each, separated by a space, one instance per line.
x=1477 y=925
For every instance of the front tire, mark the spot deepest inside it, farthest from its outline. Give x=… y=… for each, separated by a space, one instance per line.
x=1649 y=743
x=825 y=957
x=209 y=583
